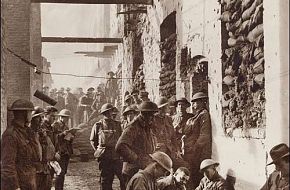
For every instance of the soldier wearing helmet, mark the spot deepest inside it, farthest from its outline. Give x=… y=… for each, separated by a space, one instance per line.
x=180 y=118
x=164 y=131
x=137 y=141
x=99 y=100
x=64 y=136
x=47 y=151
x=197 y=136
x=71 y=103
x=211 y=180
x=104 y=136
x=129 y=114
x=159 y=166
x=86 y=101
x=48 y=120
x=60 y=100
x=19 y=149
x=176 y=181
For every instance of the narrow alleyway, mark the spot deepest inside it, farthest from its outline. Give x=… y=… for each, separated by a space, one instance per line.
x=84 y=176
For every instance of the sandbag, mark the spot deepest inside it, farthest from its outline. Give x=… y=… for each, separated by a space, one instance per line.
x=248 y=12
x=244 y=28
x=246 y=4
x=254 y=34
x=226 y=16
x=258 y=67
x=258 y=53
x=229 y=80
x=257 y=17
x=230 y=71
x=259 y=79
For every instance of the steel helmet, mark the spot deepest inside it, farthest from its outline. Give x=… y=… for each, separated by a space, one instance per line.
x=199 y=95
x=162 y=159
x=130 y=108
x=37 y=111
x=206 y=163
x=90 y=89
x=182 y=100
x=22 y=105
x=148 y=106
x=106 y=107
x=162 y=102
x=64 y=112
x=50 y=109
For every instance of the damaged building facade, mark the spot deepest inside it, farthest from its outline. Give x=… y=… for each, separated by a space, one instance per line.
x=235 y=51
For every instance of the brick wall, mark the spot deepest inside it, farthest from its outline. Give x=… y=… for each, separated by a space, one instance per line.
x=35 y=51
x=17 y=15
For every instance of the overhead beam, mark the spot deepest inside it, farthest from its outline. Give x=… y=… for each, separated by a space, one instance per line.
x=133 y=12
x=145 y=2
x=95 y=54
x=80 y=40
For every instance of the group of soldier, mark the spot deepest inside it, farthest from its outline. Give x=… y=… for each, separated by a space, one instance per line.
x=153 y=146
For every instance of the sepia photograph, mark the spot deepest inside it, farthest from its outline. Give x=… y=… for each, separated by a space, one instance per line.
x=144 y=95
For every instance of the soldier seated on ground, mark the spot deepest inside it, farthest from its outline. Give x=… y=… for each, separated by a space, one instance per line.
x=211 y=180
x=176 y=181
x=279 y=179
x=146 y=179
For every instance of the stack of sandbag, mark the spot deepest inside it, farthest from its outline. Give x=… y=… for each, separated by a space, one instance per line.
x=167 y=76
x=119 y=83
x=139 y=82
x=243 y=61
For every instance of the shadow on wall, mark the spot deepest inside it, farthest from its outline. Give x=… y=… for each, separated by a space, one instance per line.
x=234 y=183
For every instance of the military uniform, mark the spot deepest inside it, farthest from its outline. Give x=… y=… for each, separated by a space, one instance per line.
x=85 y=105
x=19 y=153
x=169 y=183
x=198 y=142
x=276 y=182
x=217 y=183
x=104 y=136
x=135 y=145
x=142 y=181
x=64 y=148
x=60 y=102
x=71 y=103
x=179 y=122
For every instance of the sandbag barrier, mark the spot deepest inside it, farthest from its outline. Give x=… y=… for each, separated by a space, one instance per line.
x=243 y=65
x=167 y=85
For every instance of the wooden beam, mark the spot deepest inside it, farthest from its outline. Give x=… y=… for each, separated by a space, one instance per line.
x=81 y=40
x=95 y=54
x=145 y=2
x=133 y=12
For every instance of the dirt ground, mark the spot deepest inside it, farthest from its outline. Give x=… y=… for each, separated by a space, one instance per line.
x=84 y=176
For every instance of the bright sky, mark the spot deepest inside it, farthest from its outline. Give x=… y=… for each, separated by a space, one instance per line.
x=64 y=20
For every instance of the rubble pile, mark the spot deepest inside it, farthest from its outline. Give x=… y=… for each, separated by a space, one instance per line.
x=167 y=76
x=243 y=65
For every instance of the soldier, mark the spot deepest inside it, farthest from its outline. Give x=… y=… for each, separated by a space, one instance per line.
x=211 y=180
x=128 y=101
x=165 y=135
x=64 y=137
x=99 y=100
x=137 y=141
x=177 y=181
x=48 y=120
x=172 y=108
x=111 y=88
x=146 y=179
x=143 y=96
x=279 y=179
x=136 y=99
x=19 y=150
x=104 y=136
x=71 y=103
x=47 y=152
x=60 y=100
x=115 y=112
x=180 y=118
x=129 y=115
x=86 y=102
x=197 y=137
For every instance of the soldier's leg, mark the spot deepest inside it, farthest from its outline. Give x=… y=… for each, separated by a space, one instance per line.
x=118 y=164
x=59 y=179
x=107 y=174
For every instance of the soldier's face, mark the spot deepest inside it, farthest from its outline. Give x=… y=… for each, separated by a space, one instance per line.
x=197 y=104
x=181 y=107
x=181 y=177
x=160 y=171
x=50 y=117
x=29 y=116
x=148 y=116
x=130 y=116
x=210 y=171
x=283 y=167
x=63 y=119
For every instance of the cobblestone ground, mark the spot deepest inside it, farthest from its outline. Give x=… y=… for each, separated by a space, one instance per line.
x=84 y=176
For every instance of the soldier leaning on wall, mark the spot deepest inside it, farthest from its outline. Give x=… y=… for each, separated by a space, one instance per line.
x=19 y=150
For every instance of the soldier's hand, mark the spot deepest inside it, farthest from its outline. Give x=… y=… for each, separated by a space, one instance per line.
x=57 y=156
